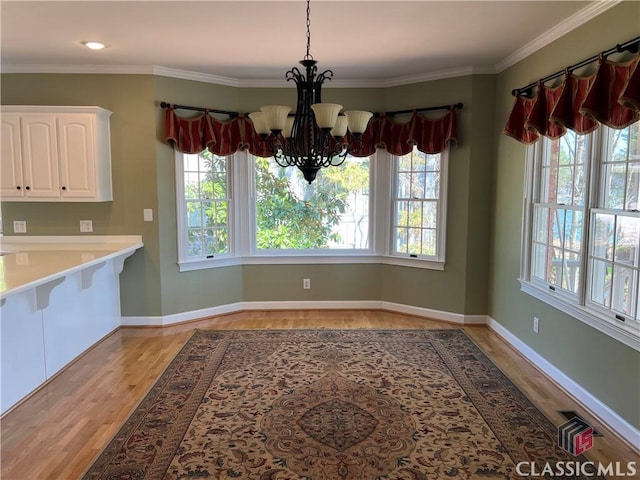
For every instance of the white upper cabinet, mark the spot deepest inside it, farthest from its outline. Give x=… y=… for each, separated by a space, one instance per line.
x=55 y=154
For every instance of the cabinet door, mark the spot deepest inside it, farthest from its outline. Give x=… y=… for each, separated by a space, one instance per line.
x=11 y=183
x=40 y=156
x=76 y=140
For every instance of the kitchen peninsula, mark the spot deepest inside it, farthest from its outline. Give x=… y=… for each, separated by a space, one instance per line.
x=58 y=296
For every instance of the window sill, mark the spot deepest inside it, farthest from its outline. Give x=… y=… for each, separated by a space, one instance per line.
x=321 y=259
x=619 y=331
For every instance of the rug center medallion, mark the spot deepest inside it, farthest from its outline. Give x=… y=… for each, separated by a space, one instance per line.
x=343 y=428
x=338 y=424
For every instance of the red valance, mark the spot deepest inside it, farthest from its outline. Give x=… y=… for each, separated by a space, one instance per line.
x=610 y=96
x=193 y=135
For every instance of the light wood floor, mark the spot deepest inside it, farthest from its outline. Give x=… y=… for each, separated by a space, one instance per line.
x=58 y=431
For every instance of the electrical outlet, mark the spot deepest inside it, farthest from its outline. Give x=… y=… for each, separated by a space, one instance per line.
x=536 y=324
x=19 y=226
x=86 y=226
x=306 y=283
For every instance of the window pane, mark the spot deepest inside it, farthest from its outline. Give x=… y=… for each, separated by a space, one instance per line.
x=620 y=168
x=540 y=223
x=601 y=273
x=415 y=241
x=206 y=205
x=417 y=177
x=433 y=185
x=554 y=273
x=194 y=239
x=417 y=185
x=548 y=185
x=429 y=242
x=615 y=175
x=401 y=236
x=330 y=213
x=626 y=250
x=557 y=230
x=404 y=185
x=415 y=214
x=402 y=214
x=624 y=290
x=573 y=230
x=538 y=263
x=563 y=172
x=571 y=272
x=430 y=214
x=191 y=162
x=602 y=245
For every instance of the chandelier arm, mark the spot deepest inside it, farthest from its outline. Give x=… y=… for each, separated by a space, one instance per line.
x=294 y=74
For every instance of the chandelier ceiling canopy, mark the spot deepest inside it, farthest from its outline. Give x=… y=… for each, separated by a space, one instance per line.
x=315 y=135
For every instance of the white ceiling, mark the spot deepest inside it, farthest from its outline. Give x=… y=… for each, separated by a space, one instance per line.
x=258 y=41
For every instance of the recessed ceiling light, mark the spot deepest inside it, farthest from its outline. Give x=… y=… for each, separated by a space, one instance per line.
x=94 y=45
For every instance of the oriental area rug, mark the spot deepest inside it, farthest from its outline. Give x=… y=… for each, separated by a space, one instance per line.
x=330 y=405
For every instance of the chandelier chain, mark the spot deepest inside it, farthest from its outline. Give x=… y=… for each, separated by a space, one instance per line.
x=308 y=56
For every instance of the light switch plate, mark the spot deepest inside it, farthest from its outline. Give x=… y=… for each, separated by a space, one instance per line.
x=86 y=226
x=147 y=214
x=19 y=226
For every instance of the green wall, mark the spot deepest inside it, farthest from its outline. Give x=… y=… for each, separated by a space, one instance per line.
x=603 y=366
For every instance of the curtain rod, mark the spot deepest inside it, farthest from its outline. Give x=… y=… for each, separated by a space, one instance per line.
x=235 y=114
x=631 y=46
x=199 y=109
x=425 y=109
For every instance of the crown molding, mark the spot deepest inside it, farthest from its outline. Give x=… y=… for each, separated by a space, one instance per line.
x=581 y=17
x=92 y=69
x=375 y=83
x=195 y=76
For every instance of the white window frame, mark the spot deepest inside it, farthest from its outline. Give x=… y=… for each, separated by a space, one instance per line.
x=437 y=261
x=577 y=306
x=310 y=254
x=186 y=263
x=242 y=222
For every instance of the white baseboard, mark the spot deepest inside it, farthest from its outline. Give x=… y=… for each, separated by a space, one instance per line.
x=435 y=314
x=610 y=418
x=165 y=320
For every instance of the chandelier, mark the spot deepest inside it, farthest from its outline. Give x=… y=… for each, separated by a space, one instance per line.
x=315 y=136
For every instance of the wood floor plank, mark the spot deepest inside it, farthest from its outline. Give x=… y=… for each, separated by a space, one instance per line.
x=58 y=431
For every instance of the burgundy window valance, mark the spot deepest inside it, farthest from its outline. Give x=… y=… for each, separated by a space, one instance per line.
x=196 y=134
x=611 y=96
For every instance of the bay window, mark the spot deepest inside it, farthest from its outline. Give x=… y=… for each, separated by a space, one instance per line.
x=245 y=209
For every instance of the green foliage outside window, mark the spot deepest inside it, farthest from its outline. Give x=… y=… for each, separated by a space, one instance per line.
x=290 y=214
x=206 y=194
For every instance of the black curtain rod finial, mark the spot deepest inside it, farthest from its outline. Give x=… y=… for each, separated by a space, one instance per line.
x=632 y=47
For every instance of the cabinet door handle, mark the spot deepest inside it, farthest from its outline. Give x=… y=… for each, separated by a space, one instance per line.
x=18 y=187
x=64 y=188
x=28 y=187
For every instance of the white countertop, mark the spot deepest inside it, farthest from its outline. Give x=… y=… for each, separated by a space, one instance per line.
x=27 y=262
